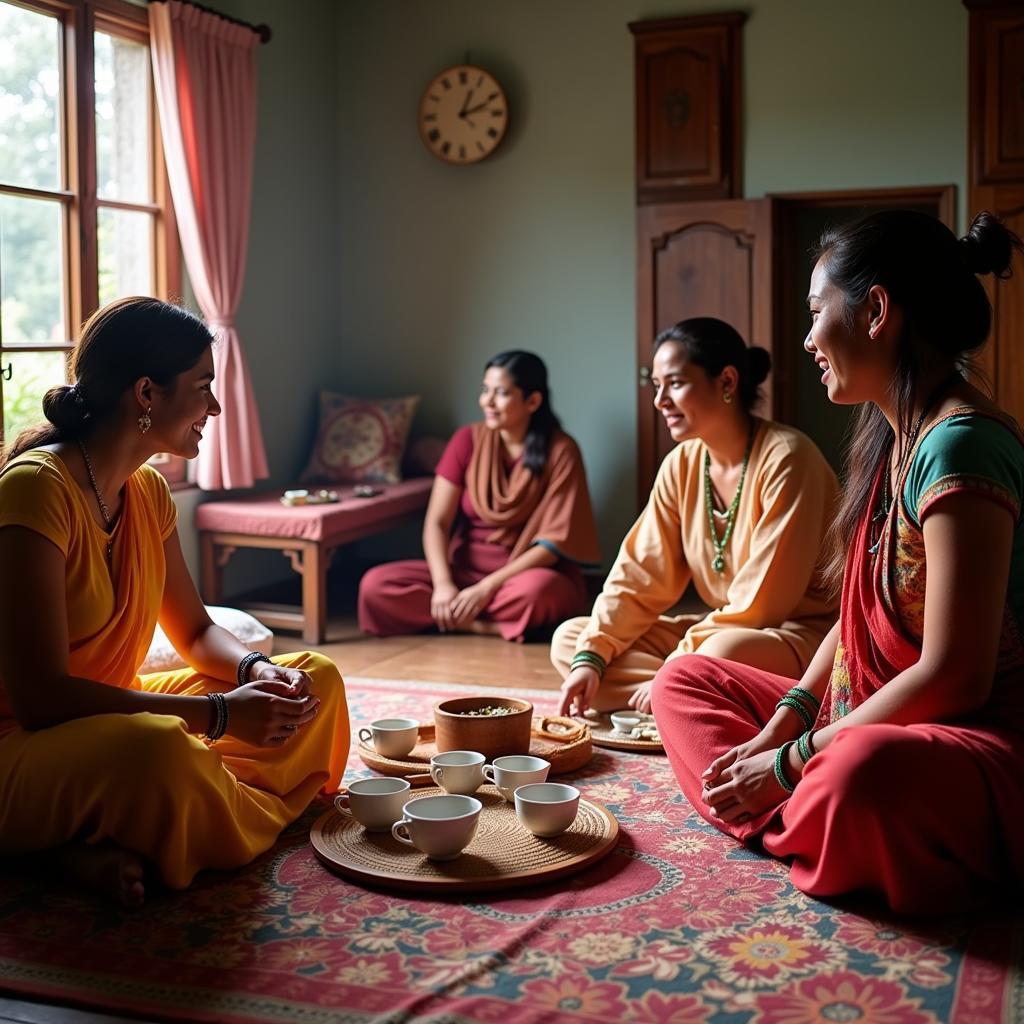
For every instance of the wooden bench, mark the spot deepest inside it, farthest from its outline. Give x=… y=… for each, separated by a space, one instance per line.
x=308 y=535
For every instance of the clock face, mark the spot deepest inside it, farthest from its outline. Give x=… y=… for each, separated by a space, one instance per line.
x=463 y=115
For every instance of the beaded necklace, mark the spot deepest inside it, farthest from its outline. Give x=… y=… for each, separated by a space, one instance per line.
x=720 y=544
x=108 y=519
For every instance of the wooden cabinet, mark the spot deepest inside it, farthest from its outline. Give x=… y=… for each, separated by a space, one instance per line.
x=996 y=168
x=697 y=259
x=688 y=103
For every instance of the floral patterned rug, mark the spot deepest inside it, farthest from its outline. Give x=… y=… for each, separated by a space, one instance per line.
x=678 y=925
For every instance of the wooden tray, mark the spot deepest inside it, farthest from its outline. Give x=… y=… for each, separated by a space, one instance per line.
x=562 y=741
x=604 y=734
x=502 y=854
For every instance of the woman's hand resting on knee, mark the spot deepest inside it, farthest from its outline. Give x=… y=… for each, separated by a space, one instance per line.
x=441 y=599
x=579 y=690
x=266 y=714
x=744 y=788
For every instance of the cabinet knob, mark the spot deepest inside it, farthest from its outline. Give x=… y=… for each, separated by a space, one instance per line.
x=645 y=376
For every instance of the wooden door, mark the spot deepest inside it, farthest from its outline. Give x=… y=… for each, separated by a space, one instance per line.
x=698 y=259
x=996 y=143
x=1001 y=361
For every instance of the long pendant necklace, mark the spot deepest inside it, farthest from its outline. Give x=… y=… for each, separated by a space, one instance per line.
x=878 y=520
x=720 y=543
x=108 y=519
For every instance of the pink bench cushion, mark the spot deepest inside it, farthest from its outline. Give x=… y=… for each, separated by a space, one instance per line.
x=263 y=515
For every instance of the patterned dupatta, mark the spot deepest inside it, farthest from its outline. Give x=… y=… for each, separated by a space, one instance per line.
x=881 y=629
x=873 y=646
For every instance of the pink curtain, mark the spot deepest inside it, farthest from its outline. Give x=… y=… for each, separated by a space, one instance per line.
x=205 y=75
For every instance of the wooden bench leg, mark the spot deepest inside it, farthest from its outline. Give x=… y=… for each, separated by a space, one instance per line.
x=314 y=592
x=210 y=572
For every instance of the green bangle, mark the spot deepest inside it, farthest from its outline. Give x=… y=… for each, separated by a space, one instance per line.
x=805 y=746
x=590 y=660
x=798 y=709
x=780 y=772
x=808 y=698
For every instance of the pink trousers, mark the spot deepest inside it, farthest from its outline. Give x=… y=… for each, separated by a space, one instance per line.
x=395 y=598
x=930 y=817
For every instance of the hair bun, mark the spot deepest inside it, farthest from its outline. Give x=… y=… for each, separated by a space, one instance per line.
x=759 y=364
x=65 y=408
x=988 y=246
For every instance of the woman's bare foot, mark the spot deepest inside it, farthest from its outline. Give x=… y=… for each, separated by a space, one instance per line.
x=115 y=872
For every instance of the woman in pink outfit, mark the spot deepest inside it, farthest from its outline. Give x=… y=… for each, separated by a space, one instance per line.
x=508 y=526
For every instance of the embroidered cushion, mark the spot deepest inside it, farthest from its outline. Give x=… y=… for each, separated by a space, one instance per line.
x=360 y=439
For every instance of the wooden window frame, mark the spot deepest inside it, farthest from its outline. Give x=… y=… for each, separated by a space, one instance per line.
x=79 y=20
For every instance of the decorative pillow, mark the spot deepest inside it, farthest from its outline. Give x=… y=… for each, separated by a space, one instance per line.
x=162 y=657
x=360 y=439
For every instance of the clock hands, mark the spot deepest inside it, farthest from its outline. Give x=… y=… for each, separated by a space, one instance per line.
x=465 y=103
x=472 y=110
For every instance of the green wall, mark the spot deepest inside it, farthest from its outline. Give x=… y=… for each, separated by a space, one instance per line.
x=376 y=269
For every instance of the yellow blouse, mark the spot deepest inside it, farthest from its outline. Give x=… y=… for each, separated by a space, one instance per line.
x=111 y=613
x=770 y=578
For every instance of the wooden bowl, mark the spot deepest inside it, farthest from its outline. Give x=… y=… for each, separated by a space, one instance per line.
x=492 y=736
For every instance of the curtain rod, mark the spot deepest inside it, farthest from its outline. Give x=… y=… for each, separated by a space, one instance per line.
x=262 y=30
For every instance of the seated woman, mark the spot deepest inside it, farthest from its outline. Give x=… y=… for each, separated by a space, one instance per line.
x=515 y=489
x=909 y=781
x=739 y=508
x=107 y=770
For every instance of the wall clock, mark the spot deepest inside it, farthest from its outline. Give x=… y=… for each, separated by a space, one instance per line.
x=463 y=114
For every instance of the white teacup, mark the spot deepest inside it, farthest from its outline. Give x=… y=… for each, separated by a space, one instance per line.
x=392 y=737
x=375 y=803
x=458 y=771
x=439 y=826
x=508 y=773
x=626 y=721
x=547 y=808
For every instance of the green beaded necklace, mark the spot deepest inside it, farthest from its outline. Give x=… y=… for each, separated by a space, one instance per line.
x=718 y=562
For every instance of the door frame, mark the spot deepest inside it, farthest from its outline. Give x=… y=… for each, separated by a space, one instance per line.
x=787 y=279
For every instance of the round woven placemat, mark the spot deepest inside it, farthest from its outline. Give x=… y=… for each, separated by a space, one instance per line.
x=502 y=854
x=604 y=734
x=557 y=739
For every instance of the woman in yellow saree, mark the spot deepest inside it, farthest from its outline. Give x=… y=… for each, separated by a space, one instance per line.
x=112 y=772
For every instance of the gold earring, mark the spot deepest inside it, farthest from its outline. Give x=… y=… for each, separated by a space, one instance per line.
x=727 y=397
x=145 y=422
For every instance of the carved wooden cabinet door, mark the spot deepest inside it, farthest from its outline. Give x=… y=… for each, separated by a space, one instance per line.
x=996 y=142
x=698 y=259
x=688 y=111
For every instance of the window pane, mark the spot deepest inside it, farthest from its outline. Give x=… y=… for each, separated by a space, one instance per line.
x=126 y=253
x=32 y=375
x=122 y=119
x=31 y=271
x=30 y=153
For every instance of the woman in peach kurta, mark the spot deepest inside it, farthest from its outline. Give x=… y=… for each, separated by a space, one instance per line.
x=111 y=771
x=768 y=607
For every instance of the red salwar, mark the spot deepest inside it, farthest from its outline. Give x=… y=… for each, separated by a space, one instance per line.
x=929 y=815
x=395 y=598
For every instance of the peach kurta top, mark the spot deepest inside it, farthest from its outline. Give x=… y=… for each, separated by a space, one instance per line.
x=770 y=579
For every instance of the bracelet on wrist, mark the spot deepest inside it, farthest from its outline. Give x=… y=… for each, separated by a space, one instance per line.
x=799 y=709
x=806 y=697
x=218 y=717
x=780 y=770
x=588 y=659
x=242 y=675
x=805 y=746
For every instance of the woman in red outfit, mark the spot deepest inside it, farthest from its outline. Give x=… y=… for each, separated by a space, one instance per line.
x=895 y=765
x=508 y=526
